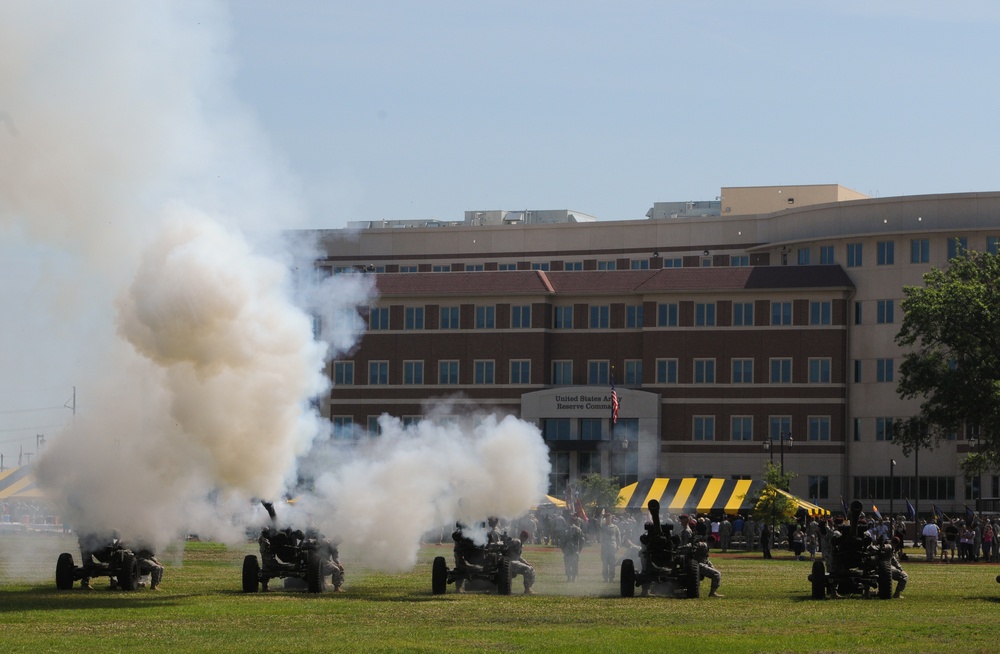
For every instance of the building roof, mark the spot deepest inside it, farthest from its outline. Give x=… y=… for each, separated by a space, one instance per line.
x=537 y=282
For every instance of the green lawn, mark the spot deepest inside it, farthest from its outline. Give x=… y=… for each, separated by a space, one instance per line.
x=948 y=607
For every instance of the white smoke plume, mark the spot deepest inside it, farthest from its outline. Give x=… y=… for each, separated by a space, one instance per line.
x=398 y=486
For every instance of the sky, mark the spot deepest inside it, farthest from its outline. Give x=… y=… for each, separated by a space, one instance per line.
x=425 y=110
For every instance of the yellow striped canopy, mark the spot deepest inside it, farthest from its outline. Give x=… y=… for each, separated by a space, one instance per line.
x=18 y=483
x=701 y=495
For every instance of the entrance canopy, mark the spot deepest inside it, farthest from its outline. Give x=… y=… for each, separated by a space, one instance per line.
x=702 y=495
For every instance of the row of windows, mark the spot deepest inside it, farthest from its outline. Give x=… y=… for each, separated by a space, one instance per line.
x=903 y=487
x=885 y=312
x=703 y=428
x=703 y=371
x=667 y=315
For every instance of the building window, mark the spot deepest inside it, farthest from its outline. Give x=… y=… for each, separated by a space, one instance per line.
x=597 y=373
x=883 y=370
x=739 y=261
x=778 y=425
x=343 y=373
x=633 y=317
x=544 y=267
x=819 y=487
x=957 y=247
x=819 y=371
x=704 y=314
x=666 y=315
x=704 y=371
x=562 y=373
x=704 y=428
x=408 y=269
x=820 y=313
x=378 y=318
x=378 y=373
x=640 y=264
x=591 y=429
x=857 y=313
x=588 y=463
x=742 y=371
x=413 y=373
x=559 y=476
x=826 y=255
x=920 y=250
x=741 y=428
x=520 y=371
x=507 y=266
x=857 y=371
x=743 y=314
x=520 y=316
x=666 y=371
x=625 y=465
x=819 y=428
x=781 y=313
x=438 y=267
x=600 y=317
x=781 y=371
x=883 y=429
x=374 y=429
x=449 y=318
x=556 y=429
x=573 y=265
x=474 y=267
x=676 y=262
x=854 y=255
x=993 y=244
x=885 y=253
x=857 y=429
x=414 y=318
x=803 y=256
x=448 y=372
x=342 y=428
x=633 y=372
x=486 y=317
x=607 y=265
x=885 y=312
x=562 y=317
x=483 y=372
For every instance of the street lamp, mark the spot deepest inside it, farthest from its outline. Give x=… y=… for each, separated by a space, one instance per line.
x=892 y=488
x=782 y=437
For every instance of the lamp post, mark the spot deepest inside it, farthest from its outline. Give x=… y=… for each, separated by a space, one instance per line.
x=785 y=435
x=892 y=487
x=974 y=443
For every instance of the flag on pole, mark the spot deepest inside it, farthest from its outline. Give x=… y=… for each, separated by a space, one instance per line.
x=614 y=400
x=876 y=511
x=911 y=512
x=970 y=515
x=844 y=504
x=939 y=513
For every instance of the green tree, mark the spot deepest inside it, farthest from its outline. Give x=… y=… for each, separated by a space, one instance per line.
x=597 y=492
x=772 y=505
x=951 y=326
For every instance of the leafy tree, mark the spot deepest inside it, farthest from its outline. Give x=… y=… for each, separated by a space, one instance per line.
x=597 y=492
x=771 y=506
x=951 y=326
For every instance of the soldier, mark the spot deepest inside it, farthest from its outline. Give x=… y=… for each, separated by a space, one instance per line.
x=96 y=550
x=148 y=565
x=725 y=533
x=493 y=535
x=686 y=534
x=611 y=539
x=466 y=557
x=706 y=569
x=898 y=574
x=518 y=566
x=571 y=545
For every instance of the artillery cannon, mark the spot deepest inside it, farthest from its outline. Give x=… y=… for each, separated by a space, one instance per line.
x=857 y=564
x=667 y=566
x=478 y=567
x=298 y=558
x=102 y=557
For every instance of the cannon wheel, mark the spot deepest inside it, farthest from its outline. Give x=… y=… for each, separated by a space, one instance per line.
x=64 y=571
x=504 y=578
x=439 y=576
x=884 y=580
x=251 y=574
x=818 y=579
x=128 y=577
x=692 y=587
x=627 y=578
x=315 y=580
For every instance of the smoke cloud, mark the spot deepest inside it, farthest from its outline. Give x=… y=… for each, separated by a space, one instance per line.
x=138 y=264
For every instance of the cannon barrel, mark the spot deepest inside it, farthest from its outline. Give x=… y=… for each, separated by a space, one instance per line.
x=654 y=515
x=270 y=510
x=854 y=516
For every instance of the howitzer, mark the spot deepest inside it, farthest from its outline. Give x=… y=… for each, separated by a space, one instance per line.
x=857 y=565
x=665 y=564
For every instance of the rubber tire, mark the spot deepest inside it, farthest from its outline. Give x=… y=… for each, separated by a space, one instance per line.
x=504 y=581
x=692 y=588
x=627 y=578
x=251 y=574
x=884 y=580
x=315 y=579
x=818 y=578
x=64 y=571
x=439 y=576
x=128 y=576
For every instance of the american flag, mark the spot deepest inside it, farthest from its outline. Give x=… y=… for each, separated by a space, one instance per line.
x=614 y=401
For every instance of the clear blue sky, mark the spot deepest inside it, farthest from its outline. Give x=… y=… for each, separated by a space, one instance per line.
x=393 y=109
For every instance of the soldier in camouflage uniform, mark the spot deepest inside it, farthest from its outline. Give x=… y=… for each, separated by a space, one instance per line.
x=571 y=545
x=518 y=566
x=611 y=539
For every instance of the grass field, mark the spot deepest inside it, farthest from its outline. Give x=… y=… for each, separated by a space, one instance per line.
x=948 y=607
